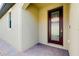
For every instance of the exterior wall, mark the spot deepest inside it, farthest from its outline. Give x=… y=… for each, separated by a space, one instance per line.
x=24 y=31
x=74 y=29
x=29 y=27
x=43 y=24
x=11 y=35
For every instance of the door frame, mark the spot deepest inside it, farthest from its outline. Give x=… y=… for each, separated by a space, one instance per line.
x=60 y=9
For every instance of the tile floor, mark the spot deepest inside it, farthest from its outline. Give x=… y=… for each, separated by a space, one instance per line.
x=37 y=50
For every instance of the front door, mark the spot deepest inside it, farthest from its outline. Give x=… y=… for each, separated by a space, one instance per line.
x=55 y=26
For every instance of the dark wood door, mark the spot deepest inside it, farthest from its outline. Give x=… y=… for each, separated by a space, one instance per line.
x=55 y=26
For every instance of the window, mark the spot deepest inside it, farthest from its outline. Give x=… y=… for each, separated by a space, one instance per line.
x=10 y=25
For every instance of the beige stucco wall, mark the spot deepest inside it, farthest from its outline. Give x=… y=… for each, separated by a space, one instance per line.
x=12 y=35
x=29 y=27
x=74 y=29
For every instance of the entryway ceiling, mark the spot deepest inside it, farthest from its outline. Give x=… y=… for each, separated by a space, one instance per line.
x=41 y=5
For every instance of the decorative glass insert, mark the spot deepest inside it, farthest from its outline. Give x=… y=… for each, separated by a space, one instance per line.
x=55 y=26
